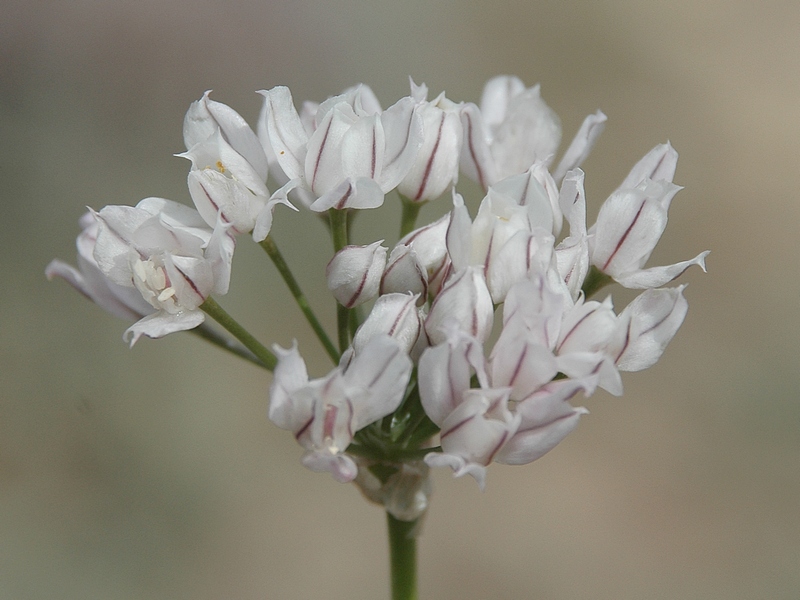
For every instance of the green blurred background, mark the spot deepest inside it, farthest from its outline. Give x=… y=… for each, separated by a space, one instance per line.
x=153 y=473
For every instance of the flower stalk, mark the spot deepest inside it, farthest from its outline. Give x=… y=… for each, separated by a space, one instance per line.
x=216 y=312
x=269 y=246
x=226 y=344
x=340 y=235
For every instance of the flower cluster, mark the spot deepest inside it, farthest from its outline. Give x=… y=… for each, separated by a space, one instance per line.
x=417 y=381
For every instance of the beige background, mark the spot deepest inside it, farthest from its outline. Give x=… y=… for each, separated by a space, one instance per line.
x=153 y=473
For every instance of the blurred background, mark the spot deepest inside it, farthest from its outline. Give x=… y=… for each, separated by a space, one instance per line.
x=154 y=472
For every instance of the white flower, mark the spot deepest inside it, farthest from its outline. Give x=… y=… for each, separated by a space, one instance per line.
x=229 y=169
x=324 y=414
x=166 y=251
x=354 y=273
x=353 y=157
x=436 y=166
x=395 y=315
x=628 y=227
x=464 y=300
x=429 y=244
x=646 y=326
x=513 y=129
x=503 y=242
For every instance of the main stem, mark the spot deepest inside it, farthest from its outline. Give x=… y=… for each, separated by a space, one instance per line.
x=403 y=558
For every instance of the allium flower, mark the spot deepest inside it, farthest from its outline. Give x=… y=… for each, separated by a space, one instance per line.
x=229 y=169
x=429 y=244
x=325 y=413
x=513 y=129
x=425 y=375
x=504 y=241
x=165 y=251
x=395 y=315
x=436 y=166
x=628 y=227
x=354 y=273
x=353 y=157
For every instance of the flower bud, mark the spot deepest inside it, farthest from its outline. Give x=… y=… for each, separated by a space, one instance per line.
x=430 y=246
x=354 y=273
x=465 y=300
x=435 y=168
x=394 y=315
x=405 y=273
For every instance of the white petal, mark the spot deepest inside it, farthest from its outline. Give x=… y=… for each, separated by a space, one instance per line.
x=658 y=165
x=476 y=157
x=288 y=409
x=354 y=273
x=648 y=324
x=658 y=276
x=381 y=373
x=394 y=315
x=582 y=144
x=361 y=193
x=362 y=149
x=162 y=323
x=403 y=134
x=340 y=466
x=287 y=136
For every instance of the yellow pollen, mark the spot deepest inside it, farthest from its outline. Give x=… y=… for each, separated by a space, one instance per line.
x=220 y=166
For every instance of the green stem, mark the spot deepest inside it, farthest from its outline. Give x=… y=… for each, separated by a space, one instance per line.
x=339 y=230
x=277 y=258
x=216 y=312
x=403 y=558
x=410 y=213
x=343 y=326
x=340 y=234
x=211 y=336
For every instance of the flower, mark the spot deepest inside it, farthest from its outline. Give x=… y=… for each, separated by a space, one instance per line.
x=628 y=227
x=431 y=377
x=324 y=414
x=513 y=129
x=229 y=169
x=354 y=273
x=165 y=251
x=353 y=157
x=435 y=168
